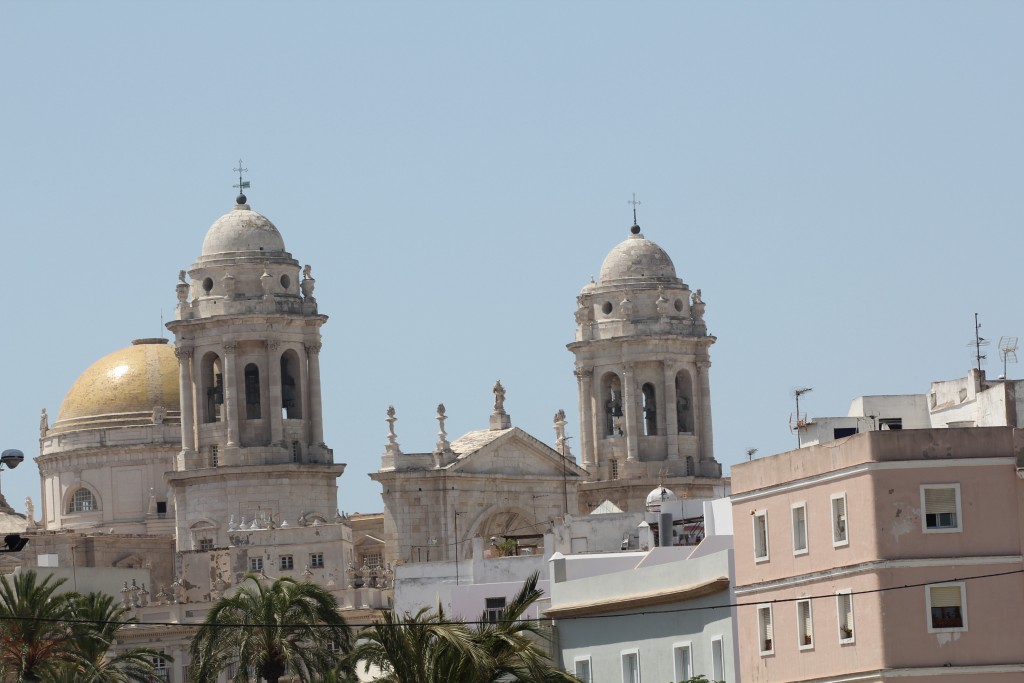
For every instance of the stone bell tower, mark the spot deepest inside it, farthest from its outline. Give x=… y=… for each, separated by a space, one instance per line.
x=247 y=338
x=642 y=365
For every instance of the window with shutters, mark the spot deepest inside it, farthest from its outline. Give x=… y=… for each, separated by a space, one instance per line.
x=844 y=613
x=940 y=506
x=682 y=662
x=765 y=632
x=804 y=625
x=840 y=526
x=760 y=535
x=947 y=610
x=799 y=528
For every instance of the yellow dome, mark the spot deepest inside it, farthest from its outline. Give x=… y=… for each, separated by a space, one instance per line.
x=122 y=389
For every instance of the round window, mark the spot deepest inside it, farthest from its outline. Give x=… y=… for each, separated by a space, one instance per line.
x=285 y=281
x=607 y=308
x=679 y=305
x=207 y=284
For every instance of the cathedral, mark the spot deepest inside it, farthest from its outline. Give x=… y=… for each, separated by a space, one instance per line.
x=195 y=462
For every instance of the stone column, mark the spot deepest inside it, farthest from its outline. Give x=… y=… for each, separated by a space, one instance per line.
x=704 y=389
x=306 y=408
x=230 y=391
x=597 y=417
x=629 y=414
x=671 y=421
x=587 y=452
x=274 y=391
x=316 y=415
x=188 y=429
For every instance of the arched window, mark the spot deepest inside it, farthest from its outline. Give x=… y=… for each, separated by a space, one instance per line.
x=83 y=501
x=291 y=388
x=684 y=402
x=252 y=392
x=211 y=388
x=611 y=395
x=650 y=411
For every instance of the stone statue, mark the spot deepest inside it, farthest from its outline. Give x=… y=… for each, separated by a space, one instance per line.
x=181 y=288
x=499 y=397
x=695 y=298
x=181 y=277
x=30 y=513
x=44 y=423
x=662 y=303
x=626 y=307
x=307 y=271
x=159 y=413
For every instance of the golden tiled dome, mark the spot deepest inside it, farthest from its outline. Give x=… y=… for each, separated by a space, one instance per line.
x=123 y=388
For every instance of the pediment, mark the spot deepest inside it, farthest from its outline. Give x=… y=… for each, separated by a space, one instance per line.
x=516 y=453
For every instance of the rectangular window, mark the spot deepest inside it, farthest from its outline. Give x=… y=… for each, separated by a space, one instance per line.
x=205 y=544
x=615 y=468
x=162 y=669
x=682 y=658
x=631 y=667
x=493 y=607
x=287 y=562
x=799 y=528
x=582 y=669
x=717 y=659
x=760 y=535
x=941 y=505
x=804 y=625
x=373 y=560
x=840 y=530
x=765 y=632
x=947 y=610
x=214 y=457
x=844 y=611
x=316 y=560
x=255 y=564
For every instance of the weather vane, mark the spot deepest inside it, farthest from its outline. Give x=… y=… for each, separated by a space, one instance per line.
x=242 y=184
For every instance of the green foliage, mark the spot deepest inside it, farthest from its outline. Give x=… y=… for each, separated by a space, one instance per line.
x=701 y=678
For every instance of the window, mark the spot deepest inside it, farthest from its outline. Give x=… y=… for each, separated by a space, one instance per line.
x=615 y=468
x=843 y=432
x=252 y=392
x=296 y=451
x=799 y=528
x=631 y=667
x=287 y=562
x=372 y=560
x=161 y=509
x=83 y=501
x=582 y=669
x=890 y=423
x=941 y=506
x=291 y=387
x=214 y=456
x=161 y=668
x=717 y=659
x=765 y=632
x=682 y=657
x=205 y=544
x=649 y=410
x=316 y=560
x=840 y=531
x=255 y=564
x=493 y=609
x=946 y=607
x=804 y=625
x=844 y=610
x=760 y=535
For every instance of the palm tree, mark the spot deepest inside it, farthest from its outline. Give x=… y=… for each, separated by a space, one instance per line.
x=286 y=628
x=35 y=634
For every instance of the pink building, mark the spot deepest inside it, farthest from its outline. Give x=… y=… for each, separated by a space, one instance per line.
x=881 y=556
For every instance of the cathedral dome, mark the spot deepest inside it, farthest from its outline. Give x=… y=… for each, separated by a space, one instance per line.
x=658 y=496
x=637 y=258
x=242 y=230
x=123 y=388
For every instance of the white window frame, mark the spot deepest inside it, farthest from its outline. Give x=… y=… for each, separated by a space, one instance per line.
x=924 y=510
x=762 y=635
x=682 y=670
x=622 y=659
x=316 y=560
x=834 y=517
x=255 y=564
x=802 y=505
x=763 y=516
x=963 y=606
x=718 y=663
x=839 y=616
x=801 y=645
x=576 y=661
x=286 y=563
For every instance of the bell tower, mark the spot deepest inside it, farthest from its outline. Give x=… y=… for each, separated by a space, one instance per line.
x=642 y=361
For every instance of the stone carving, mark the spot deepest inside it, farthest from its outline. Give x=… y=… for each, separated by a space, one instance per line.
x=442 y=436
x=308 y=283
x=228 y=282
x=662 y=303
x=182 y=287
x=626 y=307
x=44 y=423
x=307 y=271
x=230 y=347
x=30 y=513
x=266 y=281
x=183 y=353
x=499 y=398
x=697 y=306
x=584 y=311
x=159 y=413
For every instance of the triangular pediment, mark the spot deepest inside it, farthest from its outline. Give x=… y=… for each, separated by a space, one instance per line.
x=512 y=452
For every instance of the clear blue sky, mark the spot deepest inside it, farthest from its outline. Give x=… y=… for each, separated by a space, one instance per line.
x=843 y=181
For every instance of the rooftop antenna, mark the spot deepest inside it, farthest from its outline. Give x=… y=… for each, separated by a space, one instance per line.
x=242 y=185
x=162 y=330
x=978 y=343
x=1007 y=351
x=750 y=453
x=799 y=424
x=636 y=226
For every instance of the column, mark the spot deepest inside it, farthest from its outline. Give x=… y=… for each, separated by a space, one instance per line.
x=706 y=445
x=188 y=430
x=316 y=415
x=671 y=418
x=306 y=408
x=230 y=402
x=587 y=454
x=629 y=414
x=274 y=391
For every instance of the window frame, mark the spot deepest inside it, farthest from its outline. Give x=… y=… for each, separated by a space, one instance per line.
x=70 y=509
x=959 y=510
x=255 y=564
x=848 y=593
x=763 y=634
x=316 y=560
x=681 y=671
x=801 y=635
x=635 y=652
x=845 y=540
x=576 y=661
x=763 y=516
x=962 y=585
x=802 y=505
x=718 y=662
x=286 y=563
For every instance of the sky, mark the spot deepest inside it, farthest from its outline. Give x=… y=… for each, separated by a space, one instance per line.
x=841 y=180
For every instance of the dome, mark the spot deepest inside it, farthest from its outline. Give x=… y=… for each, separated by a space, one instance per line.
x=658 y=496
x=637 y=257
x=123 y=388
x=242 y=229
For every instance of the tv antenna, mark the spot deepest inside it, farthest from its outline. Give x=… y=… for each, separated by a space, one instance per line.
x=797 y=423
x=750 y=453
x=978 y=343
x=1007 y=351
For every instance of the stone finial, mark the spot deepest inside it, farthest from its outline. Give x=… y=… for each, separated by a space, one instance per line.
x=697 y=306
x=44 y=424
x=231 y=524
x=30 y=514
x=308 y=283
x=499 y=418
x=662 y=304
x=626 y=307
x=561 y=440
x=181 y=289
x=442 y=435
x=266 y=281
x=392 y=447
